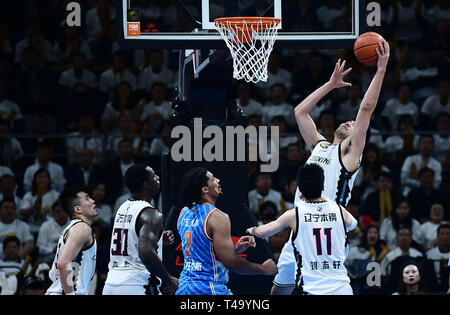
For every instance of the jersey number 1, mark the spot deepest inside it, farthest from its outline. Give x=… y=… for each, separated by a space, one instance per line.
x=121 y=242
x=327 y=232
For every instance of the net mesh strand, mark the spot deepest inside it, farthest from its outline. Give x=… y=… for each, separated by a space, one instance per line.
x=250 y=46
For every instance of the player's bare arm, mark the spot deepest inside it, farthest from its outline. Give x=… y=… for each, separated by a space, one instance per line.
x=150 y=227
x=286 y=220
x=78 y=237
x=219 y=228
x=356 y=142
x=305 y=123
x=349 y=220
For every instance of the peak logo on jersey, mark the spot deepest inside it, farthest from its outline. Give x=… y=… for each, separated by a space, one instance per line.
x=319 y=209
x=323 y=145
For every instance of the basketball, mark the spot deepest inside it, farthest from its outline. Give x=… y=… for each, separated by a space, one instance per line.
x=365 y=46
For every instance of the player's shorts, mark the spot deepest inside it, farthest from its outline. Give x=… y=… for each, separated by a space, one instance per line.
x=344 y=290
x=286 y=267
x=202 y=288
x=129 y=290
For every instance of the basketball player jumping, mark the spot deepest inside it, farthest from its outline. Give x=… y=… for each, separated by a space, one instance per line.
x=340 y=159
x=319 y=227
x=206 y=239
x=134 y=262
x=76 y=249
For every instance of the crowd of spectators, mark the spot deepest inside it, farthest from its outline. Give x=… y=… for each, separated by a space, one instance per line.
x=75 y=109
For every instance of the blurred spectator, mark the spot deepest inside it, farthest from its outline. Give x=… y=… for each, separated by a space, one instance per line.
x=400 y=144
x=327 y=125
x=10 y=226
x=86 y=137
x=115 y=75
x=289 y=197
x=34 y=38
x=70 y=43
x=161 y=144
x=329 y=12
x=349 y=108
x=117 y=168
x=9 y=110
x=124 y=102
x=10 y=148
x=422 y=197
x=428 y=229
x=78 y=73
x=5 y=170
x=421 y=77
x=414 y=163
x=379 y=204
x=276 y=75
x=158 y=109
x=98 y=17
x=50 y=231
x=245 y=101
x=127 y=128
x=371 y=166
x=442 y=139
x=34 y=286
x=310 y=77
x=11 y=263
x=264 y=192
x=404 y=241
x=37 y=203
x=437 y=102
x=34 y=83
x=8 y=188
x=285 y=138
x=268 y=212
x=287 y=171
x=401 y=105
x=85 y=172
x=407 y=18
x=412 y=282
x=391 y=226
x=277 y=106
x=371 y=249
x=440 y=254
x=43 y=159
x=98 y=193
x=155 y=72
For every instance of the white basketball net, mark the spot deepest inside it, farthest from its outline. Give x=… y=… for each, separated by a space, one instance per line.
x=250 y=49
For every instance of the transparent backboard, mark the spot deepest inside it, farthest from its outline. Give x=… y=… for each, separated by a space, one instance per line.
x=188 y=24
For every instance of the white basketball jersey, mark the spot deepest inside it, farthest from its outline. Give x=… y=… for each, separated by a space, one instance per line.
x=83 y=266
x=125 y=266
x=338 y=181
x=319 y=247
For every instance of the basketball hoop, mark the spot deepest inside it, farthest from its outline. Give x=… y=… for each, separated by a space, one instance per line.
x=250 y=40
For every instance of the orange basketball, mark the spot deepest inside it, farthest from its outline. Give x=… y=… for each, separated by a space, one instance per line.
x=365 y=46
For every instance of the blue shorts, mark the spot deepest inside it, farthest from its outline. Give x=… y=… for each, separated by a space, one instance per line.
x=202 y=288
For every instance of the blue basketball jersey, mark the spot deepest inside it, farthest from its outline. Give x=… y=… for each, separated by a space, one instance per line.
x=200 y=261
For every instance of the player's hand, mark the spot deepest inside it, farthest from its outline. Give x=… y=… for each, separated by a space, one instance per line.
x=168 y=237
x=383 y=53
x=270 y=267
x=252 y=231
x=244 y=243
x=169 y=287
x=337 y=78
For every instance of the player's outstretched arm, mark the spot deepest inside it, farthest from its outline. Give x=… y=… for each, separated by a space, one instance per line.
x=368 y=104
x=349 y=220
x=220 y=228
x=286 y=220
x=305 y=123
x=78 y=237
x=150 y=225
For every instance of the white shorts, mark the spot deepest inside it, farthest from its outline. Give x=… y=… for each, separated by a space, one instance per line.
x=123 y=290
x=286 y=267
x=344 y=290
